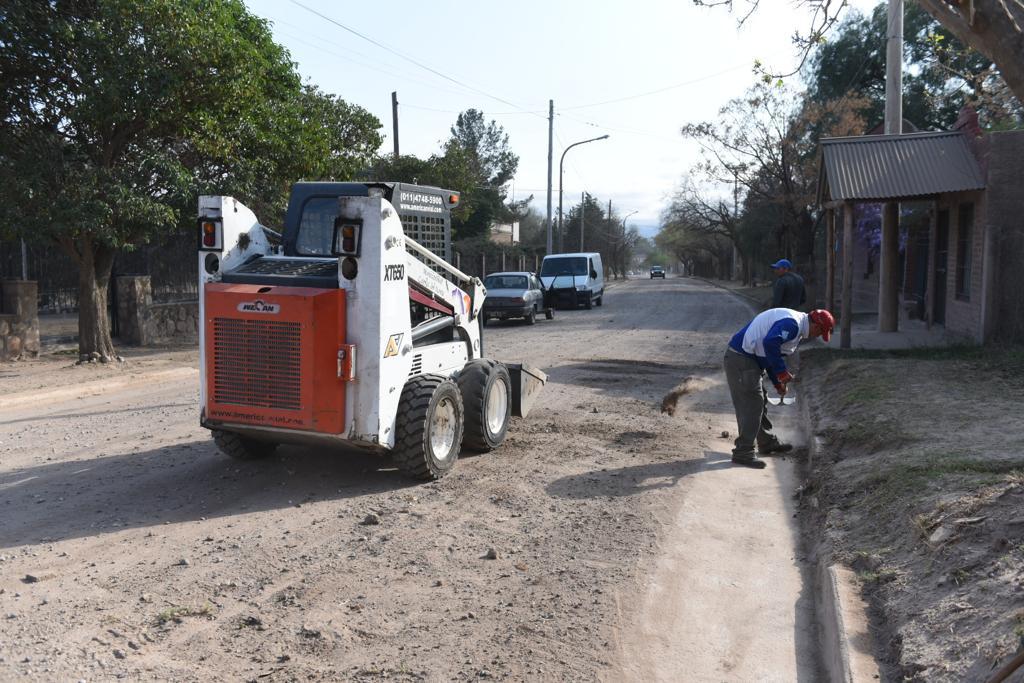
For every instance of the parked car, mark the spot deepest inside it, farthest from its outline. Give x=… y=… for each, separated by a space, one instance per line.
x=572 y=280
x=657 y=271
x=514 y=295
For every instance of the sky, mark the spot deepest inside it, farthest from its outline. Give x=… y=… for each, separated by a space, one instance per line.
x=635 y=70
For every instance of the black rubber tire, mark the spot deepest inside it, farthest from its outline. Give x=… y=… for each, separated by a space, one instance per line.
x=413 y=452
x=531 y=317
x=476 y=381
x=549 y=313
x=600 y=300
x=484 y=319
x=242 y=448
x=589 y=303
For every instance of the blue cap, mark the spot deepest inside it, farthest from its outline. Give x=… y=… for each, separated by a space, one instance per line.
x=782 y=263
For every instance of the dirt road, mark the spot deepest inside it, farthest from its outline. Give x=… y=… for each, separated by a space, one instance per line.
x=627 y=546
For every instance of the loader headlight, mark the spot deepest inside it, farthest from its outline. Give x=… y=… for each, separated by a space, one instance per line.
x=349 y=268
x=212 y=263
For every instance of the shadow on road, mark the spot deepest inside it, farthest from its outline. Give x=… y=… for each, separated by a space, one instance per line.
x=636 y=479
x=177 y=483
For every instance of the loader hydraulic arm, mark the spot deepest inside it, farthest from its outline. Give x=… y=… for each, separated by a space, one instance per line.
x=441 y=289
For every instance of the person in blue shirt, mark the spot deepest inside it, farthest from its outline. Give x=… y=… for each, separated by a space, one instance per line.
x=758 y=350
x=788 y=291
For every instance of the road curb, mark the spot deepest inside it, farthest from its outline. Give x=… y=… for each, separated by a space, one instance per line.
x=752 y=303
x=844 y=636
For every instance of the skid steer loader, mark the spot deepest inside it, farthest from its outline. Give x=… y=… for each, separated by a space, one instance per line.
x=349 y=328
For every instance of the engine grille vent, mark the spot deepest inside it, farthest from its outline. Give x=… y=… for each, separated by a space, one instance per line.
x=257 y=363
x=417 y=365
x=290 y=267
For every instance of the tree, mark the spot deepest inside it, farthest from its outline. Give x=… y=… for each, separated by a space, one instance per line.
x=481 y=152
x=764 y=144
x=995 y=28
x=115 y=114
x=942 y=75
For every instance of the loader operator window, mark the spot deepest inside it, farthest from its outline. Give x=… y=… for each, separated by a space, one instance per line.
x=316 y=229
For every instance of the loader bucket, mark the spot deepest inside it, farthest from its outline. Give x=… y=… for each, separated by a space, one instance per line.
x=526 y=384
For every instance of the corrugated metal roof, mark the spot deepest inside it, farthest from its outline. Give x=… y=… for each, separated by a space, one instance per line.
x=876 y=167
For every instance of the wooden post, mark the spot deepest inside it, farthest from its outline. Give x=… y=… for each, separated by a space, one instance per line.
x=929 y=288
x=846 y=317
x=830 y=261
x=483 y=265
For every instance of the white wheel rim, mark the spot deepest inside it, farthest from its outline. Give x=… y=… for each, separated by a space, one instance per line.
x=442 y=429
x=497 y=405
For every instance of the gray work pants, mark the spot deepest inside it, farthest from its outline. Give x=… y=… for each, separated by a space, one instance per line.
x=750 y=401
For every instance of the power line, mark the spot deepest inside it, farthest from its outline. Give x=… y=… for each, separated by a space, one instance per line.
x=655 y=92
x=378 y=69
x=405 y=57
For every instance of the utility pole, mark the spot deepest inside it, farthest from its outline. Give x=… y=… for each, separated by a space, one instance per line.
x=24 y=260
x=583 y=204
x=394 y=118
x=889 y=253
x=551 y=135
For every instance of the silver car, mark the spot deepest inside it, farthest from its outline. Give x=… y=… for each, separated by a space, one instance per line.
x=514 y=295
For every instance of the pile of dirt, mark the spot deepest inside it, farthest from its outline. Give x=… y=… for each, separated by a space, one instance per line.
x=920 y=489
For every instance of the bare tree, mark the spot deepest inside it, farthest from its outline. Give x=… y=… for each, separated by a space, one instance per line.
x=995 y=28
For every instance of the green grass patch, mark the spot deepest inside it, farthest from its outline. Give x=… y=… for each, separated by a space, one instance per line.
x=902 y=481
x=1007 y=360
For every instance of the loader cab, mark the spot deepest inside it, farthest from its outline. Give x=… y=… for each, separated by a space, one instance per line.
x=425 y=213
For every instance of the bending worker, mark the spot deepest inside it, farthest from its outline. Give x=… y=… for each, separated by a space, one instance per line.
x=754 y=351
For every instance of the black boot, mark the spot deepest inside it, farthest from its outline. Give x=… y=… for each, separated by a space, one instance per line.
x=775 y=447
x=749 y=460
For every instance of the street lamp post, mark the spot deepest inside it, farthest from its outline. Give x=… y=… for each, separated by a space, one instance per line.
x=621 y=245
x=561 y=167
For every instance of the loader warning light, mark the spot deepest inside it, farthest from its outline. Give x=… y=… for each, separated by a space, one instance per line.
x=346 y=237
x=209 y=234
x=453 y=199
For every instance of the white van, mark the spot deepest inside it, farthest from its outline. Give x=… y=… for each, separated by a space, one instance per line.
x=573 y=279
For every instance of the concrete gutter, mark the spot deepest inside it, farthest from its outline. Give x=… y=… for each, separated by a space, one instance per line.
x=844 y=637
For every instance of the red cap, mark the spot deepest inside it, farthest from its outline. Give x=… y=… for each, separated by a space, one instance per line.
x=825 y=320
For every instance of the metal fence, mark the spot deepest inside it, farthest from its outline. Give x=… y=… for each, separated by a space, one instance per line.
x=170 y=262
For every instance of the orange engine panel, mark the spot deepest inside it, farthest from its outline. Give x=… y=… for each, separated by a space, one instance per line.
x=272 y=356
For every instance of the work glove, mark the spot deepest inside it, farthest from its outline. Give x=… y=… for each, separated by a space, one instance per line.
x=784 y=377
x=781 y=388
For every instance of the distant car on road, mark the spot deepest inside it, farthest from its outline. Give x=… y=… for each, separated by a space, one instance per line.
x=657 y=271
x=514 y=295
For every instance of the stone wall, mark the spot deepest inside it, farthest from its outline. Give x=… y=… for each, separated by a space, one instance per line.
x=19 y=320
x=144 y=323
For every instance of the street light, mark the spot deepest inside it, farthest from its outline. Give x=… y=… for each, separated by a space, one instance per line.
x=561 y=163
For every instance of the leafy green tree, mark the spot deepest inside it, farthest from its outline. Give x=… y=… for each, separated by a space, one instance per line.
x=116 y=114
x=942 y=75
x=481 y=151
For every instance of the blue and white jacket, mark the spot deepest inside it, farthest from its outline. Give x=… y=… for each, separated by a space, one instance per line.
x=770 y=336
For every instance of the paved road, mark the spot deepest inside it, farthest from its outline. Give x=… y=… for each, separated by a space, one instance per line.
x=628 y=546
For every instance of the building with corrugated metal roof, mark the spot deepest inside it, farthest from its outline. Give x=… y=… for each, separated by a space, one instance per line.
x=962 y=194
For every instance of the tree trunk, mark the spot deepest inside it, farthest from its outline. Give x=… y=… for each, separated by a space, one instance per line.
x=95 y=262
x=997 y=31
